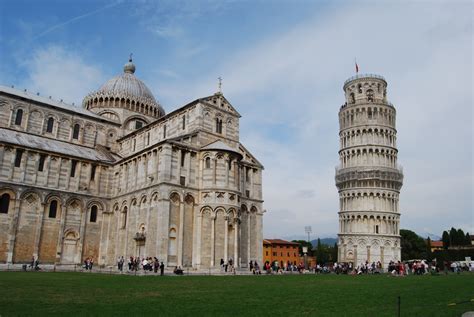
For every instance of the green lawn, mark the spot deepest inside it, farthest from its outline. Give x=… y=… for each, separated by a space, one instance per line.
x=33 y=293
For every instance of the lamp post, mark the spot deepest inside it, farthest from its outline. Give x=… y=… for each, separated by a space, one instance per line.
x=308 y=230
x=305 y=251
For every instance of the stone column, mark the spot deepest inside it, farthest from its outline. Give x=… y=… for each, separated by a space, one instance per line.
x=226 y=239
x=38 y=229
x=181 y=233
x=148 y=242
x=135 y=168
x=213 y=229
x=249 y=227
x=382 y=256
x=166 y=166
x=163 y=229
x=236 y=174
x=198 y=238
x=63 y=211
x=60 y=161
x=259 y=237
x=13 y=228
x=214 y=174
x=82 y=233
x=227 y=174
x=368 y=253
x=188 y=172
x=236 y=242
x=101 y=259
x=356 y=260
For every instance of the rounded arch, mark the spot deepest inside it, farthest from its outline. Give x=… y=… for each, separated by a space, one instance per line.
x=189 y=199
x=74 y=200
x=96 y=202
x=51 y=197
x=71 y=234
x=155 y=196
x=219 y=209
x=143 y=199
x=175 y=197
x=29 y=192
x=134 y=118
x=232 y=212
x=8 y=190
x=205 y=210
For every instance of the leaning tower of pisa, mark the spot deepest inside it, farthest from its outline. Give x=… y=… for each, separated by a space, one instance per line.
x=368 y=177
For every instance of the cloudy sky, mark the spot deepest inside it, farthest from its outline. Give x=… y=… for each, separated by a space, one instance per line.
x=283 y=64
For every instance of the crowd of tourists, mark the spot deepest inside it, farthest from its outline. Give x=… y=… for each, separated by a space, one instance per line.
x=147 y=264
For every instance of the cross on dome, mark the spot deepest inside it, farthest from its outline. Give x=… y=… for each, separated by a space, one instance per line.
x=129 y=68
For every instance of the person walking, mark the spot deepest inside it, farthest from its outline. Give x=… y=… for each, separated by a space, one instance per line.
x=162 y=269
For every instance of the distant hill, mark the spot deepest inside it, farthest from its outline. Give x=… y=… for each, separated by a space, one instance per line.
x=326 y=241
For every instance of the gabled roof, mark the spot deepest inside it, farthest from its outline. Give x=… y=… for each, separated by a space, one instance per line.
x=36 y=142
x=226 y=106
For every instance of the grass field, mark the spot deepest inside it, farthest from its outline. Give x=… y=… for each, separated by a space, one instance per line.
x=66 y=294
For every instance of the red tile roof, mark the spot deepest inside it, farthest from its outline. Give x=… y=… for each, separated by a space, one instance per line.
x=438 y=244
x=279 y=241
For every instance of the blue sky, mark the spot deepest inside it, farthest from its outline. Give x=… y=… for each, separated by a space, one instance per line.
x=283 y=65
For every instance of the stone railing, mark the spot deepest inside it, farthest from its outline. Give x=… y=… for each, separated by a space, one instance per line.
x=369 y=172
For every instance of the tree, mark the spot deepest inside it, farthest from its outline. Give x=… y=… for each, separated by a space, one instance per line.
x=468 y=239
x=429 y=255
x=446 y=239
x=413 y=246
x=322 y=254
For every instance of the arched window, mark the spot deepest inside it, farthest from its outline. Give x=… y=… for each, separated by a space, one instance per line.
x=18 y=117
x=124 y=218
x=218 y=125
x=53 y=207
x=4 y=203
x=49 y=126
x=93 y=216
x=75 y=132
x=18 y=156
x=184 y=122
x=208 y=162
x=370 y=95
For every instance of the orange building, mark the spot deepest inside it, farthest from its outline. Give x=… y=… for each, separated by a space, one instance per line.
x=436 y=245
x=281 y=251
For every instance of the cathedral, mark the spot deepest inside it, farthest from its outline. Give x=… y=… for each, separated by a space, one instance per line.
x=119 y=177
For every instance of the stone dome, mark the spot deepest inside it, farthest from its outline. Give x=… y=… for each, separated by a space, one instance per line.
x=125 y=91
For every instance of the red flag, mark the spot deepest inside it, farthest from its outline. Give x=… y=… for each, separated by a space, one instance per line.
x=357 y=67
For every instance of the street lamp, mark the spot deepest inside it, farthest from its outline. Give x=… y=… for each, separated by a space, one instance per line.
x=308 y=230
x=305 y=251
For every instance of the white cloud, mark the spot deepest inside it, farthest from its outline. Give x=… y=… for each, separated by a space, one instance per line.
x=55 y=71
x=294 y=80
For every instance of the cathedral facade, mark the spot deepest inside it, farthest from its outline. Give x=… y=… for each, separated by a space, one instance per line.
x=368 y=177
x=119 y=177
